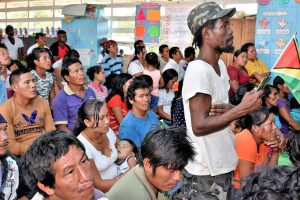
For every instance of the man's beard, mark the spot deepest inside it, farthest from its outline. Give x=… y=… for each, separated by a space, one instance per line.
x=227 y=49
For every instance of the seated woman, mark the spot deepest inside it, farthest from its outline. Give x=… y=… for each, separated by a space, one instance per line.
x=136 y=66
x=97 y=77
x=166 y=95
x=258 y=129
x=92 y=128
x=237 y=72
x=284 y=107
x=116 y=100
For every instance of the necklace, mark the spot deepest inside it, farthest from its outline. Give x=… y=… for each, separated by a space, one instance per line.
x=92 y=139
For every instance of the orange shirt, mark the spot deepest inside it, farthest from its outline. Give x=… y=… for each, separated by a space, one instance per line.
x=246 y=149
x=116 y=101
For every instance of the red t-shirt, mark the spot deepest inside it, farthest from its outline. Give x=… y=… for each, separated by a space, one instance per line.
x=246 y=149
x=116 y=101
x=237 y=75
x=62 y=51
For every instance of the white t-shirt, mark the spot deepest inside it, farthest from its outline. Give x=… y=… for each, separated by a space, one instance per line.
x=215 y=152
x=13 y=49
x=165 y=100
x=173 y=65
x=135 y=67
x=57 y=64
x=33 y=47
x=105 y=165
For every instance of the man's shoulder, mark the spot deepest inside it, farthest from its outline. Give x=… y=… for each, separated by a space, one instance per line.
x=61 y=95
x=8 y=106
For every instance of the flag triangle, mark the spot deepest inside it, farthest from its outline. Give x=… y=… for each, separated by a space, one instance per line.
x=289 y=57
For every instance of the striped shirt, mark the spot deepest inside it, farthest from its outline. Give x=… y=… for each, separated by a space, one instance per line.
x=112 y=65
x=100 y=91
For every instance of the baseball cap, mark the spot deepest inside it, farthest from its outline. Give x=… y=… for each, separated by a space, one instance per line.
x=37 y=35
x=204 y=12
x=102 y=40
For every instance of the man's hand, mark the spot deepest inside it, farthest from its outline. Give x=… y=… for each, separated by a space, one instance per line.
x=251 y=101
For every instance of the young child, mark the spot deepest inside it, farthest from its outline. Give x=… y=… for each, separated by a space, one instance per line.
x=127 y=152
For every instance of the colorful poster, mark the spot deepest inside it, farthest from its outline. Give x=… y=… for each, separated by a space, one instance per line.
x=147 y=22
x=176 y=31
x=275 y=25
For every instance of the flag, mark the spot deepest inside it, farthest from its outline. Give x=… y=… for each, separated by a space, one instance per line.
x=288 y=67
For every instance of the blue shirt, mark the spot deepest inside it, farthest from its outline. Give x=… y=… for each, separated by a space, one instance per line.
x=295 y=114
x=136 y=128
x=66 y=104
x=112 y=65
x=3 y=92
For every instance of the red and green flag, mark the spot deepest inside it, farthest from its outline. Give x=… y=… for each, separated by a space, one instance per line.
x=288 y=67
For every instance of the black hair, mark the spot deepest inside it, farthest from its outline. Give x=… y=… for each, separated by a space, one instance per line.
x=38 y=161
x=133 y=145
x=73 y=54
x=294 y=103
x=137 y=43
x=170 y=148
x=117 y=86
x=152 y=59
x=67 y=61
x=35 y=55
x=3 y=46
x=61 y=32
x=88 y=110
x=8 y=27
x=254 y=118
x=246 y=46
x=198 y=40
x=278 y=81
x=145 y=78
x=177 y=95
x=173 y=51
x=274 y=183
x=168 y=75
x=92 y=71
x=134 y=85
x=266 y=93
x=189 y=51
x=237 y=98
x=109 y=83
x=15 y=75
x=161 y=48
x=137 y=51
x=293 y=147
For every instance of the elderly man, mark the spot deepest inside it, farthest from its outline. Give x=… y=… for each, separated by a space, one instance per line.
x=57 y=166
x=164 y=154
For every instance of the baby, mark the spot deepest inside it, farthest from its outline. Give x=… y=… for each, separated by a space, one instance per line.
x=127 y=152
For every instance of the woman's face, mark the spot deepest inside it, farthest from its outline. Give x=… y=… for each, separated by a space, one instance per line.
x=267 y=130
x=171 y=82
x=241 y=60
x=103 y=123
x=272 y=99
x=100 y=76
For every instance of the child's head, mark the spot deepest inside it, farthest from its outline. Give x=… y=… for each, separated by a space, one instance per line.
x=126 y=147
x=96 y=73
x=170 y=76
x=39 y=58
x=293 y=147
x=152 y=59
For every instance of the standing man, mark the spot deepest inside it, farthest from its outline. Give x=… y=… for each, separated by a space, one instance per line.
x=59 y=49
x=28 y=116
x=205 y=91
x=40 y=39
x=68 y=100
x=14 y=44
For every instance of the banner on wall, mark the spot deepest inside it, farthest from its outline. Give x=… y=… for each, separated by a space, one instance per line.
x=147 y=22
x=276 y=22
x=175 y=30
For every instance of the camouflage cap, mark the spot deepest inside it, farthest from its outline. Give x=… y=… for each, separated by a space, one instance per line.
x=204 y=12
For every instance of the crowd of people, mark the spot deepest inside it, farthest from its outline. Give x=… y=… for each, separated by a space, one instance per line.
x=167 y=126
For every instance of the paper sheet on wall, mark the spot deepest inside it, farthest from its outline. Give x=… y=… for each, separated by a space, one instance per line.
x=85 y=56
x=176 y=30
